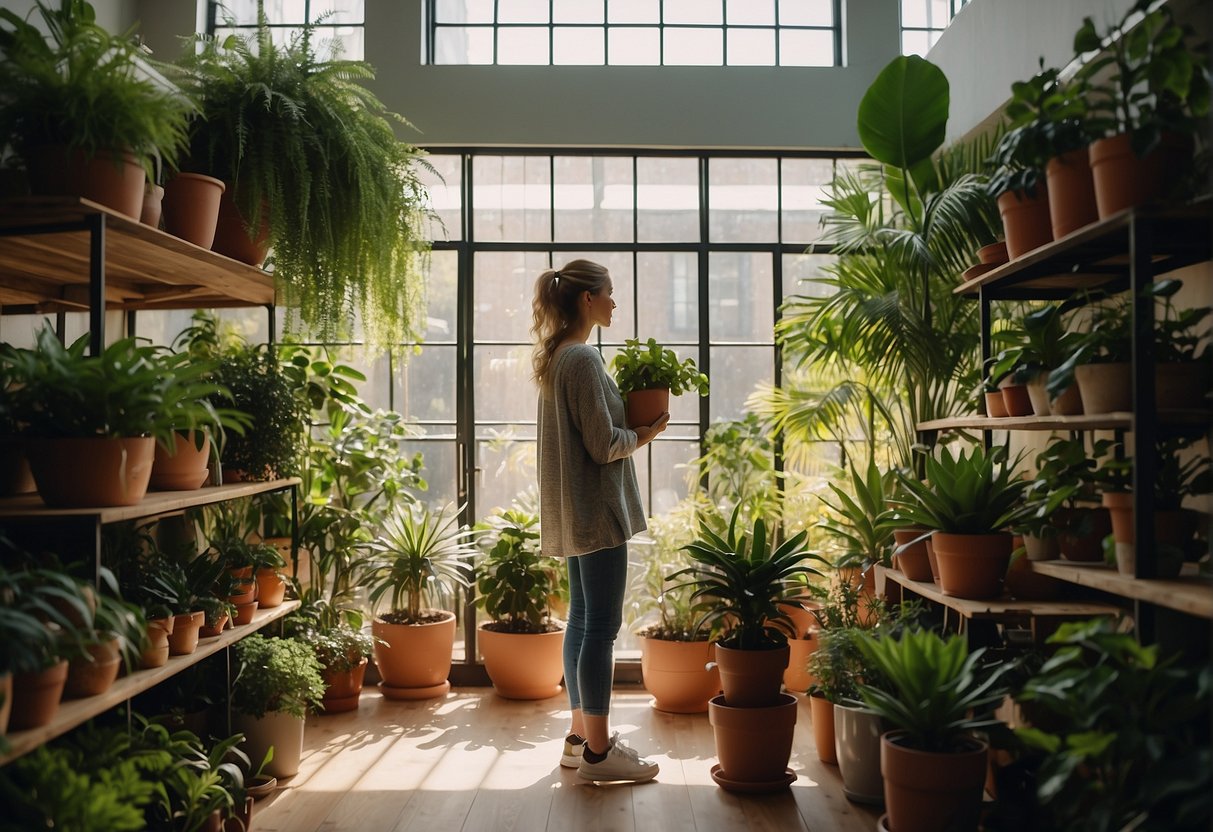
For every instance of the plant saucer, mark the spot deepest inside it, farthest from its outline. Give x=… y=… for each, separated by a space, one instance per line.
x=977 y=270
x=742 y=787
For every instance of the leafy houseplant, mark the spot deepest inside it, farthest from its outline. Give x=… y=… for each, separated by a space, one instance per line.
x=81 y=91
x=1039 y=343
x=738 y=465
x=312 y=156
x=640 y=368
x=1067 y=484
x=278 y=682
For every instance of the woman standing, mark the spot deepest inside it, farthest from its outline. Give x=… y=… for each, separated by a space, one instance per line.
x=589 y=503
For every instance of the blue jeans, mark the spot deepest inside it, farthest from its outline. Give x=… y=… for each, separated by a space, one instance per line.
x=596 y=584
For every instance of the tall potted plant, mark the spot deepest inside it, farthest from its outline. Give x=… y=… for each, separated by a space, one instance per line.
x=277 y=682
x=420 y=558
x=648 y=374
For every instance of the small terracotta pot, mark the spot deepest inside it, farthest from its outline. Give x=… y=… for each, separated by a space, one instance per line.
x=1175 y=528
x=1122 y=180
x=1069 y=403
x=821 y=712
x=114 y=179
x=1016 y=400
x=153 y=199
x=523 y=665
x=247 y=584
x=245 y=613
x=972 y=565
x=995 y=254
x=1026 y=584
x=751 y=678
x=1071 y=192
x=343 y=688
x=1045 y=547
x=996 y=406
x=156 y=653
x=191 y=207
x=92 y=675
x=215 y=629
x=183 y=640
x=414 y=660
x=184 y=468
x=232 y=234
x=914 y=561
x=36 y=697
x=644 y=407
x=1026 y=220
x=271 y=588
x=1078 y=545
x=93 y=471
x=928 y=792
x=1038 y=394
x=754 y=744
x=677 y=674
x=1105 y=388
x=242 y=820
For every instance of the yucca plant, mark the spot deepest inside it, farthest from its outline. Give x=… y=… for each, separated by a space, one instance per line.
x=742 y=584
x=973 y=493
x=420 y=557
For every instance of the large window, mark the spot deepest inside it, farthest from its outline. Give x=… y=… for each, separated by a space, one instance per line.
x=338 y=23
x=923 y=21
x=634 y=32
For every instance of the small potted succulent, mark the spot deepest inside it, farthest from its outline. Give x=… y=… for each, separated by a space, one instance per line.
x=648 y=374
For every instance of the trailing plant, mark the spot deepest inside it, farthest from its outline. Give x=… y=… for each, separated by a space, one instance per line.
x=514 y=582
x=646 y=366
x=973 y=493
x=742 y=584
x=312 y=152
x=278 y=675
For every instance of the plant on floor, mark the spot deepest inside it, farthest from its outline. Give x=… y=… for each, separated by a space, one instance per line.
x=313 y=153
x=514 y=581
x=661 y=554
x=341 y=648
x=278 y=675
x=648 y=365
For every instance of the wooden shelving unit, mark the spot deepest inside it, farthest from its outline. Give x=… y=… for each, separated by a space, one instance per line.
x=1096 y=421
x=1189 y=593
x=74 y=712
x=30 y=508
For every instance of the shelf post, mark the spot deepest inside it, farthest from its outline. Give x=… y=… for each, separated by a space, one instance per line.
x=1145 y=421
x=983 y=300
x=96 y=283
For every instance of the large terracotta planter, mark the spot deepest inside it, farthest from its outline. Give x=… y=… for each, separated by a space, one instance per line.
x=645 y=406
x=930 y=792
x=753 y=744
x=857 y=740
x=1071 y=192
x=913 y=560
x=751 y=678
x=271 y=588
x=414 y=660
x=157 y=650
x=1105 y=388
x=1081 y=532
x=15 y=475
x=94 y=673
x=972 y=565
x=114 y=179
x=821 y=712
x=184 y=468
x=343 y=688
x=183 y=639
x=1122 y=180
x=36 y=697
x=1026 y=220
x=282 y=732
x=232 y=234
x=1174 y=528
x=523 y=665
x=797 y=677
x=191 y=207
x=677 y=674
x=91 y=472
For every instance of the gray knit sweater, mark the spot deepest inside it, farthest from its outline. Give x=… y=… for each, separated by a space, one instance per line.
x=588 y=497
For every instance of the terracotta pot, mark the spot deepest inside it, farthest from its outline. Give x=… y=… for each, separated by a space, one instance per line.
x=801 y=613
x=1045 y=547
x=156 y=653
x=183 y=640
x=271 y=588
x=995 y=254
x=215 y=629
x=233 y=237
x=184 y=468
x=972 y=565
x=821 y=712
x=1182 y=385
x=857 y=740
x=932 y=560
x=414 y=660
x=1105 y=388
x=246 y=584
x=91 y=472
x=645 y=406
x=1081 y=532
x=928 y=792
x=191 y=207
x=6 y=700
x=1068 y=403
x=1026 y=220
x=282 y=732
x=1071 y=192
x=523 y=665
x=153 y=202
x=913 y=560
x=1026 y=584
x=1038 y=394
x=15 y=475
x=754 y=744
x=242 y=820
x=245 y=613
x=113 y=179
x=996 y=407
x=1016 y=400
x=1173 y=528
x=1122 y=180
x=36 y=697
x=343 y=688
x=751 y=678
x=677 y=674
x=262 y=786
x=93 y=675
x=797 y=677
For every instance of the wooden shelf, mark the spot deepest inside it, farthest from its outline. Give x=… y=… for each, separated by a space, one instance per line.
x=1189 y=593
x=1097 y=256
x=74 y=712
x=44 y=263
x=1097 y=421
x=30 y=508
x=997 y=608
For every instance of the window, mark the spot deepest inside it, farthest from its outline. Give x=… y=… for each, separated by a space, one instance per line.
x=923 y=21
x=337 y=23
x=634 y=32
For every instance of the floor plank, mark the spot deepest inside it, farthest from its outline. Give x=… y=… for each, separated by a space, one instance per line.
x=475 y=762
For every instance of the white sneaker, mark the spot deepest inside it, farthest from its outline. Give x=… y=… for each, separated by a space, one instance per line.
x=571 y=758
x=621 y=764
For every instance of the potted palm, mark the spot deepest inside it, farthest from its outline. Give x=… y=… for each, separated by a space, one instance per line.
x=742 y=584
x=522 y=644
x=80 y=111
x=937 y=695
x=420 y=558
x=277 y=682
x=648 y=374
x=968 y=500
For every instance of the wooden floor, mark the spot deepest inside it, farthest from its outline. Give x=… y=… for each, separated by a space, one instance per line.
x=475 y=762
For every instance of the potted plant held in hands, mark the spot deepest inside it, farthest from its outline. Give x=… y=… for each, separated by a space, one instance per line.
x=648 y=374
x=277 y=682
x=420 y=558
x=521 y=643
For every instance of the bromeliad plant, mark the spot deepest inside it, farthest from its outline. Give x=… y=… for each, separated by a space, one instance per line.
x=649 y=365
x=515 y=583
x=973 y=493
x=742 y=584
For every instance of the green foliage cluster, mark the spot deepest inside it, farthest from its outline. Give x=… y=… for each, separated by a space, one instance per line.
x=515 y=583
x=660 y=553
x=340 y=648
x=864 y=518
x=738 y=469
x=649 y=365
x=970 y=493
x=278 y=675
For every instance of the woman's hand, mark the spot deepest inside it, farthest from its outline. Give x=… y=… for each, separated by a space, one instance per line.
x=646 y=433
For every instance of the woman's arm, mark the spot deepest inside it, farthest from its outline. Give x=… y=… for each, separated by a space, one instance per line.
x=587 y=393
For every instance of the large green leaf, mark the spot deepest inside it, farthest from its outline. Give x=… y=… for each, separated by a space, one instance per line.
x=904 y=114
